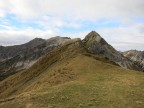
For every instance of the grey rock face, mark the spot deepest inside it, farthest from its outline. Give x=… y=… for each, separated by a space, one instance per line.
x=19 y=57
x=95 y=44
x=11 y=51
x=135 y=56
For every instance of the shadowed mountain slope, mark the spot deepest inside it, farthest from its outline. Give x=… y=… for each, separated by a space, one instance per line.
x=19 y=57
x=7 y=52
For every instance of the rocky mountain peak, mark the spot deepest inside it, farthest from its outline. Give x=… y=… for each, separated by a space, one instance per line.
x=37 y=39
x=93 y=34
x=94 y=37
x=35 y=42
x=58 y=40
x=95 y=44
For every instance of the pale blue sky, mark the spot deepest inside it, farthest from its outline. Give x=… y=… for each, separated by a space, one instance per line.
x=121 y=23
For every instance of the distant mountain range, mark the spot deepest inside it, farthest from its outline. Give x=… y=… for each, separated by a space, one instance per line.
x=135 y=56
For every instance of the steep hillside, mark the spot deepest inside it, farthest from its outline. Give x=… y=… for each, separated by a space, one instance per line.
x=16 y=58
x=70 y=77
x=135 y=56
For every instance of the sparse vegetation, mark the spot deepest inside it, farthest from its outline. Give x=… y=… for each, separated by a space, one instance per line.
x=95 y=84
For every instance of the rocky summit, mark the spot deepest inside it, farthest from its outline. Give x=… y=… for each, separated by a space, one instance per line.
x=95 y=44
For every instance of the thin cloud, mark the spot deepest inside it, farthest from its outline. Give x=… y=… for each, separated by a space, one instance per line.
x=15 y=37
x=46 y=18
x=82 y=9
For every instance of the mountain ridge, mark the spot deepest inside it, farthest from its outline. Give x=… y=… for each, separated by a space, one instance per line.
x=70 y=76
x=16 y=58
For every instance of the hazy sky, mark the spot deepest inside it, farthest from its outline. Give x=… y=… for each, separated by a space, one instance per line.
x=120 y=22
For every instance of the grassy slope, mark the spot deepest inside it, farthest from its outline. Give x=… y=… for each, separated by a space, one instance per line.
x=75 y=82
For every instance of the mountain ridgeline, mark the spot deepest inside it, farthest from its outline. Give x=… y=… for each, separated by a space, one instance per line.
x=70 y=73
x=20 y=57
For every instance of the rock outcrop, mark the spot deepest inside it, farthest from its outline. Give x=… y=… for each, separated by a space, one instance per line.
x=95 y=44
x=135 y=56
